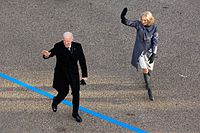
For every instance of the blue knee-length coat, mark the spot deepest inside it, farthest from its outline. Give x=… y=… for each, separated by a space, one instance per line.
x=146 y=40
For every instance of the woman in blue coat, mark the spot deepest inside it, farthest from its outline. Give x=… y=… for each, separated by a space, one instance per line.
x=145 y=47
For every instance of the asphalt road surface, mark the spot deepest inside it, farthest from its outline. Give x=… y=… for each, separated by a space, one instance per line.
x=114 y=88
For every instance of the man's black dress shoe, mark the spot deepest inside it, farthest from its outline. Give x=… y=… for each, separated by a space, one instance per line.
x=54 y=108
x=77 y=117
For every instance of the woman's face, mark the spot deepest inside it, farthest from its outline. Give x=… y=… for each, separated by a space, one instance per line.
x=144 y=20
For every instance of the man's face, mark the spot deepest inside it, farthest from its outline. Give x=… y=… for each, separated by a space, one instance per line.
x=67 y=40
x=144 y=20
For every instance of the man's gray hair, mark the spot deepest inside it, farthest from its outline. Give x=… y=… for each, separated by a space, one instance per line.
x=68 y=34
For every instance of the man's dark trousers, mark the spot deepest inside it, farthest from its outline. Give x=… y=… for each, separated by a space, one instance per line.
x=62 y=93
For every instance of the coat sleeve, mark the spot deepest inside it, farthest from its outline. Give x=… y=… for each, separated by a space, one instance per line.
x=82 y=62
x=131 y=23
x=155 y=41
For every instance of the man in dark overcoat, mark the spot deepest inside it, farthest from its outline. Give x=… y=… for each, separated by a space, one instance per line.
x=68 y=53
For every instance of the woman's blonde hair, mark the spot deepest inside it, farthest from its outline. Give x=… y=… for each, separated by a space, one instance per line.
x=149 y=16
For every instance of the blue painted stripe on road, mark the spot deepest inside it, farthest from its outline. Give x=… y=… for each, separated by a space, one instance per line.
x=96 y=114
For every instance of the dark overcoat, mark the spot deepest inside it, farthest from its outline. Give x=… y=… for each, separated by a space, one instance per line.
x=146 y=39
x=66 y=69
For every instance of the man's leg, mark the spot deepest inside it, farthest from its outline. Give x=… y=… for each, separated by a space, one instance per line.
x=62 y=93
x=75 y=86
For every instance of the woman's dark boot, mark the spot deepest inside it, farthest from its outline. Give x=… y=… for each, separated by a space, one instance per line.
x=150 y=95
x=147 y=82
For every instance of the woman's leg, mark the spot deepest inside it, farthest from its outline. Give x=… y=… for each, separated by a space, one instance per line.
x=146 y=74
x=147 y=82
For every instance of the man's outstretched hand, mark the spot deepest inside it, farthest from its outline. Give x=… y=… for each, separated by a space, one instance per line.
x=45 y=54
